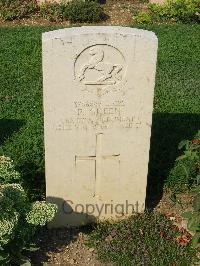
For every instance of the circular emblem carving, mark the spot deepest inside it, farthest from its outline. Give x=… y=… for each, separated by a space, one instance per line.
x=100 y=69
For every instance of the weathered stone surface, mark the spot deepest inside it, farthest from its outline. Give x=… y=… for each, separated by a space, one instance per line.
x=98 y=102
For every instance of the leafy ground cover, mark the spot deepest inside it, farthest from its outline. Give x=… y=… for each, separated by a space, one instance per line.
x=144 y=239
x=176 y=105
x=185 y=11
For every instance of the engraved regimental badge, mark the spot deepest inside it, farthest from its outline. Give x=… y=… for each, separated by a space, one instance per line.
x=100 y=69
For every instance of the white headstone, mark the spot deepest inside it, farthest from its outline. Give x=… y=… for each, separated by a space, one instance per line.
x=98 y=102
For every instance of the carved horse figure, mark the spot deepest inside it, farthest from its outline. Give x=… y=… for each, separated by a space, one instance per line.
x=108 y=70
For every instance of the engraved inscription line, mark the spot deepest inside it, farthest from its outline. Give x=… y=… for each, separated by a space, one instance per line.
x=98 y=116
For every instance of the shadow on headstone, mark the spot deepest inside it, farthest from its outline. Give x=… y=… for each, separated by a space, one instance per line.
x=168 y=130
x=67 y=214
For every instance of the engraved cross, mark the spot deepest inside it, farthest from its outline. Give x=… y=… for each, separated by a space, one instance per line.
x=98 y=158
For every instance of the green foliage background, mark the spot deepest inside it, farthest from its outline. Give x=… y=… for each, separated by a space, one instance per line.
x=185 y=11
x=74 y=11
x=83 y=11
x=176 y=105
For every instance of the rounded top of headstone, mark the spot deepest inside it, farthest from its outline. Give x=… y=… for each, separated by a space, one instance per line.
x=61 y=33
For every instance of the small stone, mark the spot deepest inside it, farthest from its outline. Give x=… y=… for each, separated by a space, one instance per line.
x=80 y=234
x=91 y=249
x=72 y=261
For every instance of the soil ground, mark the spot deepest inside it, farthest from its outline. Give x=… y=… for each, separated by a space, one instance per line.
x=65 y=247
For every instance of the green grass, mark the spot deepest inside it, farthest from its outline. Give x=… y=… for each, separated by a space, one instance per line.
x=144 y=239
x=176 y=106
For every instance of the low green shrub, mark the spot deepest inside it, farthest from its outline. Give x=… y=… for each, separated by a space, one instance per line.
x=8 y=174
x=186 y=174
x=143 y=18
x=19 y=218
x=52 y=11
x=193 y=216
x=74 y=11
x=143 y=239
x=185 y=11
x=187 y=166
x=17 y=9
x=83 y=11
x=19 y=221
